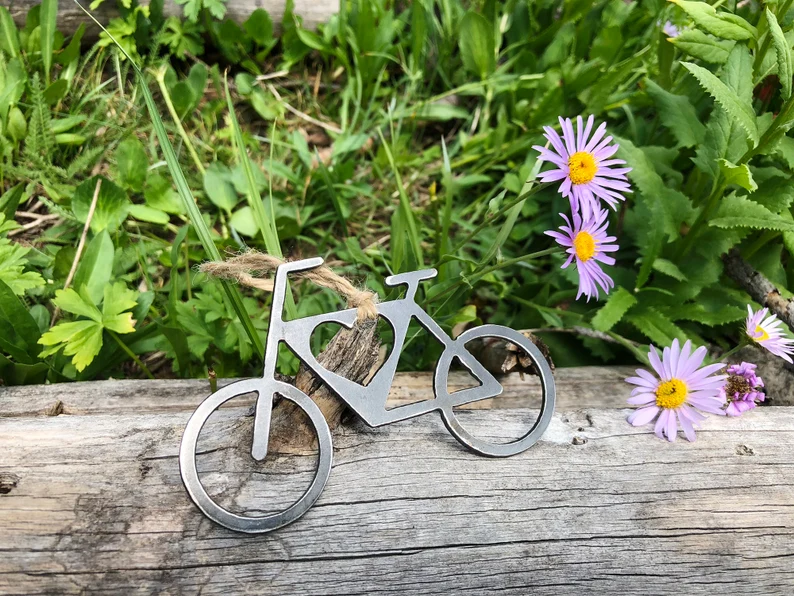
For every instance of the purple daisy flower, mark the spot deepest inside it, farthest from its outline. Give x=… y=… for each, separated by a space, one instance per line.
x=742 y=389
x=584 y=165
x=587 y=242
x=670 y=30
x=682 y=385
x=766 y=333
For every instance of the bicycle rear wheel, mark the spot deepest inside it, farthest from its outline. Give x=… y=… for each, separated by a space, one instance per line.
x=187 y=456
x=482 y=446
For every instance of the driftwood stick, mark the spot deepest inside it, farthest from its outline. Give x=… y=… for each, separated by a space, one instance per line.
x=759 y=287
x=351 y=353
x=500 y=356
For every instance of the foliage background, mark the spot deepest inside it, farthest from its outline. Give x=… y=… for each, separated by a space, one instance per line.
x=395 y=137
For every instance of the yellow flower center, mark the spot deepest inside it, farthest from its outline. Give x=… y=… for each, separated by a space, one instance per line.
x=582 y=167
x=764 y=335
x=671 y=394
x=584 y=245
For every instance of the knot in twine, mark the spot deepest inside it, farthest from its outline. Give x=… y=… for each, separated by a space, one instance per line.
x=248 y=267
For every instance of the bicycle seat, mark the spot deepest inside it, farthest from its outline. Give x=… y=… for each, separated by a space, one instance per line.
x=410 y=278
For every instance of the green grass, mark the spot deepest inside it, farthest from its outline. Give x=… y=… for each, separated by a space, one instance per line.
x=395 y=140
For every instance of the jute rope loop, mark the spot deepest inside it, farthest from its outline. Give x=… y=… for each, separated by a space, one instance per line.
x=248 y=268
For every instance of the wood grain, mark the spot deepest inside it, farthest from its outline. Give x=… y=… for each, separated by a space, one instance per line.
x=313 y=12
x=91 y=501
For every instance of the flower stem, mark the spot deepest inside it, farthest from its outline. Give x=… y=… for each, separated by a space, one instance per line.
x=502 y=210
x=131 y=354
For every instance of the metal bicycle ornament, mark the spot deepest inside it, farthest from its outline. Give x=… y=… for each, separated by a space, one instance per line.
x=368 y=402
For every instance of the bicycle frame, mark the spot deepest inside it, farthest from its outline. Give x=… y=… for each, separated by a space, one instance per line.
x=370 y=402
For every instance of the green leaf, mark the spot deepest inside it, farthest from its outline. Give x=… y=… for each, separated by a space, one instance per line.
x=219 y=188
x=654 y=325
x=726 y=98
x=260 y=27
x=669 y=268
x=477 y=44
x=242 y=220
x=675 y=206
x=617 y=305
x=19 y=333
x=704 y=47
x=161 y=196
x=72 y=302
x=776 y=194
x=96 y=267
x=722 y=24
x=150 y=214
x=132 y=163
x=13 y=262
x=117 y=299
x=111 y=207
x=740 y=212
x=10 y=201
x=783 y=51
x=48 y=18
x=9 y=39
x=739 y=175
x=678 y=115
x=80 y=339
x=697 y=312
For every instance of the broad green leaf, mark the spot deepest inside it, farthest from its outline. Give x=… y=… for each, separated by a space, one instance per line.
x=477 y=44
x=219 y=188
x=739 y=175
x=47 y=23
x=242 y=220
x=260 y=27
x=669 y=268
x=740 y=212
x=19 y=333
x=722 y=24
x=96 y=267
x=783 y=51
x=13 y=262
x=9 y=39
x=150 y=214
x=654 y=325
x=776 y=194
x=111 y=207
x=675 y=206
x=10 y=200
x=678 y=115
x=697 y=312
x=70 y=301
x=132 y=163
x=117 y=299
x=785 y=149
x=80 y=339
x=160 y=195
x=617 y=305
x=726 y=98
x=704 y=47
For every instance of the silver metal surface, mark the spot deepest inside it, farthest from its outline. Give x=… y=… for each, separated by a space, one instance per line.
x=368 y=402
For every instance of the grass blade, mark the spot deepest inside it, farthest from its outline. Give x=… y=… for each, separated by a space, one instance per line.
x=48 y=20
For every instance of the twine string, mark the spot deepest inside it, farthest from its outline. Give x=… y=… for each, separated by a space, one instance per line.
x=249 y=267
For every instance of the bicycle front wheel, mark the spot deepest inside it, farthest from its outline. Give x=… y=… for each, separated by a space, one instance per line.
x=187 y=456
x=484 y=446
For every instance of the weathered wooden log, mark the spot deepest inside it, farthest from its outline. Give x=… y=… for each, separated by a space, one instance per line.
x=313 y=12
x=91 y=501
